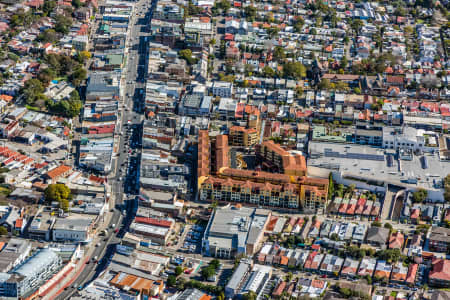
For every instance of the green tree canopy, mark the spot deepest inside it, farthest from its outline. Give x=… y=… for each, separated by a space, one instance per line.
x=294 y=70
x=76 y=3
x=298 y=24
x=268 y=72
x=389 y=255
x=178 y=271
x=324 y=84
x=207 y=272
x=447 y=188
x=32 y=90
x=63 y=24
x=68 y=108
x=186 y=54
x=46 y=76
x=249 y=296
x=48 y=6
x=420 y=195
x=171 y=280
x=388 y=226
x=48 y=36
x=3 y=231
x=278 y=53
x=78 y=76
x=59 y=193
x=376 y=224
x=250 y=13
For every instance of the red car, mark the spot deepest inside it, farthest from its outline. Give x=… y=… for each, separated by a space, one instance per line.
x=116 y=230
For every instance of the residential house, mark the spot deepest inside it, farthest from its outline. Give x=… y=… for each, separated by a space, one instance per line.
x=440 y=273
x=439 y=239
x=377 y=236
x=396 y=240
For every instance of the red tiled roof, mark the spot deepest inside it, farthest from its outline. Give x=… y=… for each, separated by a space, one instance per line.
x=415 y=214
x=19 y=223
x=319 y=284
x=412 y=271
x=280 y=288
x=58 y=171
x=440 y=270
x=153 y=221
x=396 y=240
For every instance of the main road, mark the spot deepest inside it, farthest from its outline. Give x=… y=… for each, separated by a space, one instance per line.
x=126 y=162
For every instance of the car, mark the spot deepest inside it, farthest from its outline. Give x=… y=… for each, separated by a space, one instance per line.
x=98 y=245
x=116 y=230
x=113 y=225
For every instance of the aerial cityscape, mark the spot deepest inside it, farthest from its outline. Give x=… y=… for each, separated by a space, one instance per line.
x=224 y=149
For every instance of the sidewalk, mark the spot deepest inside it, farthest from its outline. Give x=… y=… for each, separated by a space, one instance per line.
x=80 y=265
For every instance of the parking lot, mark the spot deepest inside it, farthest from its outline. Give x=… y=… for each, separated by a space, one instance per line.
x=33 y=151
x=193 y=239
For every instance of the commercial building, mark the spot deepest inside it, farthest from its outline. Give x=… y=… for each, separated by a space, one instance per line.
x=73 y=229
x=142 y=261
x=103 y=85
x=53 y=175
x=368 y=134
x=439 y=239
x=169 y=12
x=29 y=275
x=275 y=156
x=440 y=273
x=222 y=89
x=191 y=294
x=137 y=284
x=195 y=105
x=156 y=234
x=291 y=190
x=409 y=138
x=248 y=278
x=40 y=227
x=244 y=137
x=233 y=285
x=14 y=254
x=371 y=168
x=234 y=230
x=252 y=193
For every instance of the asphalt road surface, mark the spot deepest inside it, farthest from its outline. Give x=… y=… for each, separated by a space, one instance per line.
x=124 y=181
